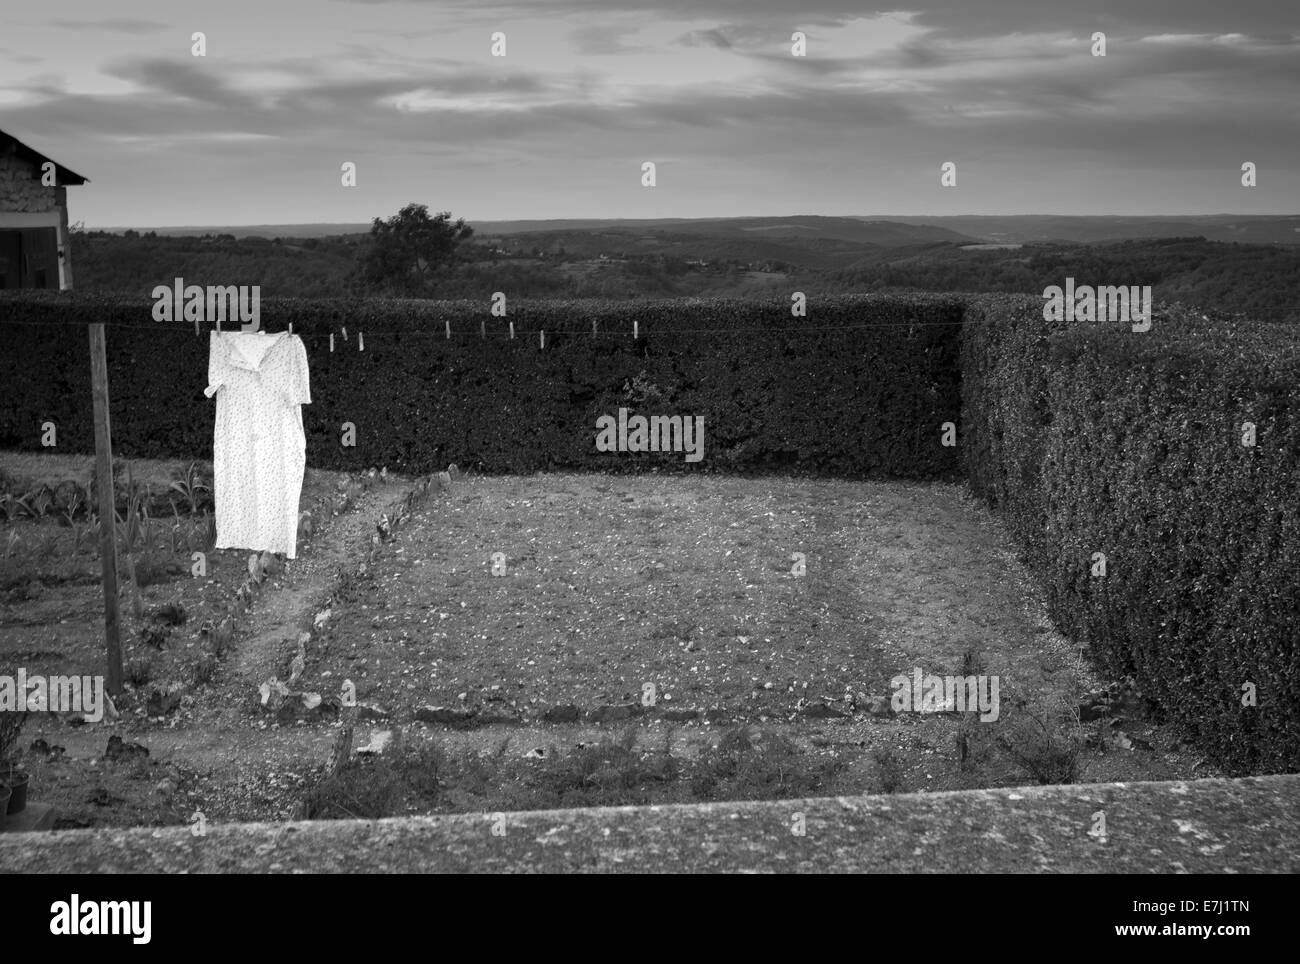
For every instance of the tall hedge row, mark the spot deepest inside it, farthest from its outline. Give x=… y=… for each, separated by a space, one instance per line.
x=1091 y=438
x=858 y=388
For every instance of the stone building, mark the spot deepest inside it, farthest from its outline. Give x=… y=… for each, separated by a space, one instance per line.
x=34 y=247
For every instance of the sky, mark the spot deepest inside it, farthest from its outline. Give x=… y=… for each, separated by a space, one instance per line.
x=256 y=131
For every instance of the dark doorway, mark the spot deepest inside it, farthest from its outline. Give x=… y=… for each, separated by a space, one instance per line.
x=11 y=256
x=29 y=258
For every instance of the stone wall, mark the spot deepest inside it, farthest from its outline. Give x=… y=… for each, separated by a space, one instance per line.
x=21 y=190
x=1249 y=825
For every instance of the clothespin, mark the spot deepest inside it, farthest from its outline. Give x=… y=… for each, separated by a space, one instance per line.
x=512 y=331
x=635 y=326
x=541 y=338
x=331 y=341
x=448 y=324
x=361 y=341
x=345 y=334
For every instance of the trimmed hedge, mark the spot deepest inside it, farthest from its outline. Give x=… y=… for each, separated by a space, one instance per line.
x=1091 y=438
x=821 y=394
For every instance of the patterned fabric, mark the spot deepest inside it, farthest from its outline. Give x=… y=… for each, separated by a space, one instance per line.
x=259 y=450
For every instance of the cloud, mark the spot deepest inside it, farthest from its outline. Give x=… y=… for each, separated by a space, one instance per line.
x=183 y=79
x=603 y=39
x=950 y=17
x=1196 y=81
x=716 y=99
x=715 y=37
x=115 y=24
x=13 y=56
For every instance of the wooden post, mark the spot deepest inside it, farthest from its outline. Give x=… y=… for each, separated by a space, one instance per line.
x=107 y=515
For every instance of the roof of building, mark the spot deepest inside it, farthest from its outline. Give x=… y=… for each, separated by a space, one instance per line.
x=12 y=145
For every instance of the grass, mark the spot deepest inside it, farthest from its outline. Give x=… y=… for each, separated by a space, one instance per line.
x=748 y=763
x=102 y=792
x=138 y=672
x=1046 y=748
x=610 y=773
x=891 y=769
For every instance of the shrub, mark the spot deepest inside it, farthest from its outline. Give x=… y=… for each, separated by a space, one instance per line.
x=138 y=672
x=1041 y=744
x=368 y=788
x=1091 y=438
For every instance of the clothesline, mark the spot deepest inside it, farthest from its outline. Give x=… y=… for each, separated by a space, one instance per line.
x=441 y=333
x=446 y=333
x=188 y=329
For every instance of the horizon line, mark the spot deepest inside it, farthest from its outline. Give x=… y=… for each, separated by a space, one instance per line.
x=726 y=217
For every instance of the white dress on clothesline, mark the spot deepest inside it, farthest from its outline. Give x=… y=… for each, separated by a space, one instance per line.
x=259 y=451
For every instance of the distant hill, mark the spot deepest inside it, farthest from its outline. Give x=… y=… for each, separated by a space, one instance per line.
x=806 y=227
x=802 y=227
x=889 y=231
x=1025 y=229
x=673 y=260
x=248 y=230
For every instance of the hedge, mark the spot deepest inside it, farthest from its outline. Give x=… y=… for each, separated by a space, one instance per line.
x=1092 y=438
x=859 y=388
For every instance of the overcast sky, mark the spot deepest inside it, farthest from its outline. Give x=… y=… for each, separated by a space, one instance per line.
x=256 y=131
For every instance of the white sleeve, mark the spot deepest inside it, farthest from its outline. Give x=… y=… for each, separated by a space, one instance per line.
x=216 y=365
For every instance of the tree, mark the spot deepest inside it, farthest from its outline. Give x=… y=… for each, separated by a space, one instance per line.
x=410 y=246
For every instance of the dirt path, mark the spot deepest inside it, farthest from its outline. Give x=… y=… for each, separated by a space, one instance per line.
x=279 y=616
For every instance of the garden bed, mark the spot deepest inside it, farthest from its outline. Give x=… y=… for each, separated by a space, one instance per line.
x=520 y=679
